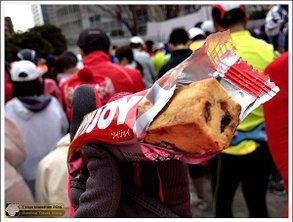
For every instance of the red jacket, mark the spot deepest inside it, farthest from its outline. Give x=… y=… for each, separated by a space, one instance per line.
x=51 y=87
x=124 y=79
x=107 y=78
x=8 y=88
x=276 y=116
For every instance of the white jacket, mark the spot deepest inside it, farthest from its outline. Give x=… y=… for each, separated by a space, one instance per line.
x=42 y=128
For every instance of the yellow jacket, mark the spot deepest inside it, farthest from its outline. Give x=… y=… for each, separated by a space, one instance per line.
x=258 y=54
x=196 y=45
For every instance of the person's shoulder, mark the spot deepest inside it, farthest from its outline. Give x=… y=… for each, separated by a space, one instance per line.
x=164 y=69
x=10 y=102
x=55 y=104
x=11 y=105
x=52 y=162
x=260 y=43
x=143 y=54
x=129 y=69
x=279 y=63
x=124 y=68
x=134 y=72
x=282 y=58
x=264 y=44
x=55 y=157
x=68 y=80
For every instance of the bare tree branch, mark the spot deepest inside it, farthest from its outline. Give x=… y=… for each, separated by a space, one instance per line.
x=128 y=14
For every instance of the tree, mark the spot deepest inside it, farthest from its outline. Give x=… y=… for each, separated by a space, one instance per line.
x=32 y=40
x=132 y=16
x=45 y=40
x=125 y=14
x=53 y=35
x=164 y=12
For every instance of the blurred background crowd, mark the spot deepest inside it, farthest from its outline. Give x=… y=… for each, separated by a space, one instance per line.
x=126 y=48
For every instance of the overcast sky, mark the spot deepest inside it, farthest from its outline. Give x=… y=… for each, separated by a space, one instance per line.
x=21 y=15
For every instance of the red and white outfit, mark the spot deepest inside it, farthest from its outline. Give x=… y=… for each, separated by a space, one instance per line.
x=106 y=77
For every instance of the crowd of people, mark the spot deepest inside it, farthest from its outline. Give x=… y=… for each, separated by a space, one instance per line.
x=45 y=103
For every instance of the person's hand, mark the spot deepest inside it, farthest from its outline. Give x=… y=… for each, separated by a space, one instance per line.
x=105 y=187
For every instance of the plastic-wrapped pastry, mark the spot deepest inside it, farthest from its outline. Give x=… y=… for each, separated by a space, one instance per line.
x=199 y=118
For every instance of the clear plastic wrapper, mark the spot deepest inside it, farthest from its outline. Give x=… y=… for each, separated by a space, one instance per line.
x=121 y=128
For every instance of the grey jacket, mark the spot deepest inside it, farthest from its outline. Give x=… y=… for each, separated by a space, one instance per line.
x=148 y=69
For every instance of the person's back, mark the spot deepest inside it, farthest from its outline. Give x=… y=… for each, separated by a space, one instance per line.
x=197 y=38
x=258 y=54
x=239 y=163
x=178 y=42
x=85 y=76
x=65 y=66
x=51 y=88
x=144 y=59
x=159 y=57
x=125 y=57
x=95 y=45
x=276 y=117
x=40 y=117
x=255 y=51
x=52 y=176
x=123 y=78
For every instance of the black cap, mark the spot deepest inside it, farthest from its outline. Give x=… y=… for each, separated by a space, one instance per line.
x=93 y=40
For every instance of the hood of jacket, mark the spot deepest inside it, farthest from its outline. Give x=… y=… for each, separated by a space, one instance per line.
x=96 y=57
x=28 y=105
x=35 y=103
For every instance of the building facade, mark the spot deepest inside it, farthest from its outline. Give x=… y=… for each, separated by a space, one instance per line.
x=118 y=21
x=37 y=15
x=8 y=26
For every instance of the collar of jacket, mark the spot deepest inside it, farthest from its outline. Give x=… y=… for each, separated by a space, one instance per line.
x=35 y=103
x=96 y=57
x=243 y=33
x=181 y=52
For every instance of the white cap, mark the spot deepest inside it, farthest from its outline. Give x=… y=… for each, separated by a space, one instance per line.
x=158 y=45
x=23 y=71
x=229 y=7
x=208 y=26
x=193 y=32
x=137 y=40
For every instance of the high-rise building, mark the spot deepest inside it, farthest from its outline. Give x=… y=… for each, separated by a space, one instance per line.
x=37 y=15
x=72 y=19
x=48 y=14
x=8 y=26
x=118 y=21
